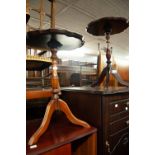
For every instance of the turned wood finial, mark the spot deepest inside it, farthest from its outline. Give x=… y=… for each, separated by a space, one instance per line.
x=107 y=36
x=99 y=61
x=108 y=50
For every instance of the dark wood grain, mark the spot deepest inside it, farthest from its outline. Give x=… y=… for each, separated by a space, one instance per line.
x=63 y=150
x=97 y=107
x=54 y=38
x=59 y=133
x=36 y=65
x=113 y=25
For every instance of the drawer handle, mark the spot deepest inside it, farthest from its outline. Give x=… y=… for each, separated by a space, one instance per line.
x=116 y=105
x=126 y=108
x=127 y=122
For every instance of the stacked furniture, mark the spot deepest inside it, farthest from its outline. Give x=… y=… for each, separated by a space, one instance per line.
x=107 y=110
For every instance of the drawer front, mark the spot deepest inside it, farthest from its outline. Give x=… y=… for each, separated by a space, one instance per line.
x=117 y=116
x=118 y=106
x=118 y=144
x=118 y=125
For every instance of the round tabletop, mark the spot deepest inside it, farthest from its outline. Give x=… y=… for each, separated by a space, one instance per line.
x=54 y=38
x=113 y=25
x=27 y=17
x=37 y=63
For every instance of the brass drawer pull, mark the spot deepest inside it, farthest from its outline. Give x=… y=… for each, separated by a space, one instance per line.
x=126 y=108
x=127 y=122
x=116 y=105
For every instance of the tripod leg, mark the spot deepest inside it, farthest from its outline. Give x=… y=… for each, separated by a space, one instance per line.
x=107 y=77
x=101 y=78
x=45 y=122
x=64 y=107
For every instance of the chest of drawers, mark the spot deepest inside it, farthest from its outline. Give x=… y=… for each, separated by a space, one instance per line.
x=108 y=111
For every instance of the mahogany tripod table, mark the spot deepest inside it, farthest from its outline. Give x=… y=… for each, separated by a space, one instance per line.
x=53 y=40
x=105 y=27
